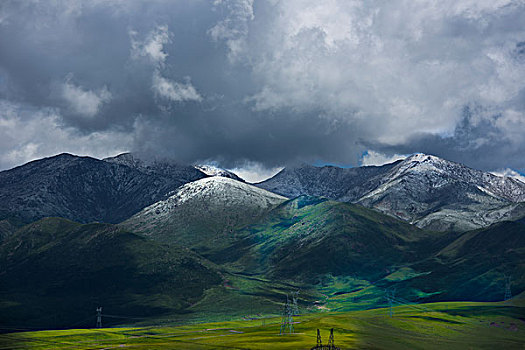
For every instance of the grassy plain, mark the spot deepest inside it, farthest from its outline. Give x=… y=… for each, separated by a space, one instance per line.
x=455 y=325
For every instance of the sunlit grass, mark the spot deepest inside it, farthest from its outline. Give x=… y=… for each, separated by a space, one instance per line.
x=426 y=326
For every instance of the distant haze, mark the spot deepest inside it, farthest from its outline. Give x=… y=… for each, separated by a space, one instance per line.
x=254 y=86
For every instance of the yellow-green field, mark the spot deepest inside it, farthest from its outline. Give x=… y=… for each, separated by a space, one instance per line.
x=457 y=325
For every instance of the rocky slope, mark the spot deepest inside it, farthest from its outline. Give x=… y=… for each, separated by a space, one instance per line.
x=331 y=182
x=422 y=189
x=169 y=168
x=159 y=167
x=86 y=189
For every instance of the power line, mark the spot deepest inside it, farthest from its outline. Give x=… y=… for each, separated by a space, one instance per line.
x=126 y=317
x=319 y=340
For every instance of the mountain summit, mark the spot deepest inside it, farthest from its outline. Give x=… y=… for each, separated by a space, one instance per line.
x=212 y=170
x=214 y=207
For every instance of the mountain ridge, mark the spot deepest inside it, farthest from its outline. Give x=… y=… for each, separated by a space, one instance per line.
x=83 y=189
x=422 y=189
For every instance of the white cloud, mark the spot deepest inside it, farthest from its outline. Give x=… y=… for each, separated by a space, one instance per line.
x=234 y=28
x=153 y=46
x=318 y=80
x=83 y=101
x=392 y=69
x=174 y=91
x=29 y=134
x=376 y=158
x=254 y=172
x=510 y=173
x=512 y=125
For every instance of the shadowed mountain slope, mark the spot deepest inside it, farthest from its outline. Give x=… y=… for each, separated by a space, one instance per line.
x=473 y=266
x=54 y=272
x=85 y=189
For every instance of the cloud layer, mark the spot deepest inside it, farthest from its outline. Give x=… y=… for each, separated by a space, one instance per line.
x=265 y=83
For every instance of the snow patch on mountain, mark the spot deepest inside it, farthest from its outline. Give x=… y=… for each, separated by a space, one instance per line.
x=212 y=170
x=213 y=206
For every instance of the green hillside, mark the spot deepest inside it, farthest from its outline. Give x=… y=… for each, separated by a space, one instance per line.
x=309 y=236
x=473 y=266
x=351 y=254
x=54 y=273
x=339 y=257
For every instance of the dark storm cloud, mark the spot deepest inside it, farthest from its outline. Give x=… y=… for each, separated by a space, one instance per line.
x=477 y=141
x=266 y=82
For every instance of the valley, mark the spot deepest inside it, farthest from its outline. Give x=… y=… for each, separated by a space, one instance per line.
x=217 y=249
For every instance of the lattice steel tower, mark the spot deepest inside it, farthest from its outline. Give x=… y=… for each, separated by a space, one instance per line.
x=295 y=307
x=99 y=317
x=508 y=293
x=287 y=320
x=390 y=294
x=331 y=342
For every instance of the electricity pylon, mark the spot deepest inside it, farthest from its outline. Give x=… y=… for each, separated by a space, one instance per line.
x=295 y=307
x=331 y=342
x=508 y=293
x=390 y=294
x=99 y=317
x=287 y=320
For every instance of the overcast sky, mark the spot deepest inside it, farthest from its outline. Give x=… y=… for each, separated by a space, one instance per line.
x=256 y=85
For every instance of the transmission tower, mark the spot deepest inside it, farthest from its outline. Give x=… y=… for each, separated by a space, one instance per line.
x=295 y=307
x=508 y=293
x=99 y=317
x=331 y=342
x=390 y=294
x=287 y=320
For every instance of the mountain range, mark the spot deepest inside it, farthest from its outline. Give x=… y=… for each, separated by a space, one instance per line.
x=162 y=241
x=424 y=190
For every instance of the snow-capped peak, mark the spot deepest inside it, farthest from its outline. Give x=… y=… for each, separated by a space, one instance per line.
x=212 y=170
x=213 y=192
x=420 y=163
x=422 y=157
